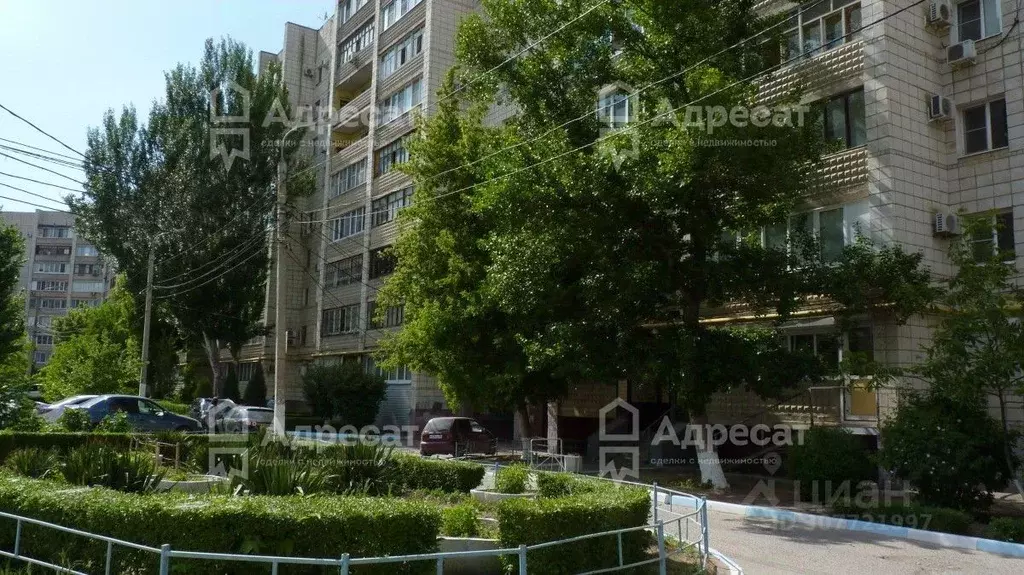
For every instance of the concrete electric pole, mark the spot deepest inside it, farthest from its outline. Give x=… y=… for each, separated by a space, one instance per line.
x=280 y=325
x=144 y=371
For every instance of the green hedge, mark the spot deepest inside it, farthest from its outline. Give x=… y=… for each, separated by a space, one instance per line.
x=449 y=476
x=939 y=519
x=1006 y=529
x=605 y=508
x=179 y=408
x=296 y=526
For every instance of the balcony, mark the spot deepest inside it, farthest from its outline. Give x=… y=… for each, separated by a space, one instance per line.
x=855 y=405
x=346 y=147
x=356 y=72
x=350 y=116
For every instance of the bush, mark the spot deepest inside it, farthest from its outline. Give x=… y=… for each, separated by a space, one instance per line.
x=361 y=467
x=173 y=407
x=828 y=457
x=523 y=521
x=33 y=462
x=512 y=479
x=74 y=420
x=256 y=389
x=114 y=423
x=231 y=385
x=939 y=519
x=951 y=451
x=216 y=523
x=1006 y=529
x=430 y=474
x=131 y=471
x=563 y=484
x=193 y=447
x=344 y=390
x=460 y=521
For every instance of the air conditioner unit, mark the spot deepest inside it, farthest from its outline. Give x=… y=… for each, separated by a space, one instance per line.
x=940 y=14
x=939 y=107
x=947 y=224
x=962 y=54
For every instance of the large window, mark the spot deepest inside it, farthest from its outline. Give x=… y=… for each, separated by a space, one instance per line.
x=834 y=228
x=844 y=119
x=341 y=320
x=393 y=316
x=349 y=224
x=401 y=374
x=615 y=109
x=349 y=177
x=49 y=285
x=391 y=155
x=999 y=242
x=348 y=8
x=398 y=104
x=985 y=127
x=84 y=285
x=44 y=339
x=820 y=25
x=386 y=208
x=382 y=262
x=87 y=269
x=54 y=232
x=44 y=250
x=360 y=39
x=391 y=13
x=977 y=19
x=857 y=343
x=400 y=53
x=345 y=272
x=48 y=303
x=51 y=268
x=87 y=251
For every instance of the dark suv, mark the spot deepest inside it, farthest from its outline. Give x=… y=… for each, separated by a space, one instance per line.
x=456 y=436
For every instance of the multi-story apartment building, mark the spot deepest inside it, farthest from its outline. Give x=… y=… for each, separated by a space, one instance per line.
x=361 y=74
x=62 y=271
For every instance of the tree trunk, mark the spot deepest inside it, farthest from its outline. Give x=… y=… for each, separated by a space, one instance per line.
x=213 y=356
x=552 y=431
x=707 y=455
x=525 y=429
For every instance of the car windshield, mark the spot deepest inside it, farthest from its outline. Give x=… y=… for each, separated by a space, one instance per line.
x=260 y=415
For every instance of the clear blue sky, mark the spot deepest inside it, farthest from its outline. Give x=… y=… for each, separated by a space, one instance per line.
x=63 y=63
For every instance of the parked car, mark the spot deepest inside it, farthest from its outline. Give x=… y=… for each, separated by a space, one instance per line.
x=201 y=406
x=60 y=405
x=143 y=413
x=246 y=418
x=456 y=436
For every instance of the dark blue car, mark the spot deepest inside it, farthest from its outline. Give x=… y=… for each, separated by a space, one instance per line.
x=143 y=414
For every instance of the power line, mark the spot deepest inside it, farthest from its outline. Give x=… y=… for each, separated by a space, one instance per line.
x=225 y=272
x=63 y=163
x=42 y=168
x=41 y=131
x=24 y=191
x=261 y=205
x=224 y=256
x=233 y=254
x=30 y=203
x=44 y=150
x=38 y=182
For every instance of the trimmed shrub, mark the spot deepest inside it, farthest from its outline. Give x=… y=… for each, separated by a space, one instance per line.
x=1006 y=529
x=449 y=476
x=33 y=462
x=512 y=479
x=939 y=519
x=231 y=390
x=344 y=390
x=950 y=450
x=256 y=389
x=828 y=457
x=295 y=526
x=561 y=484
x=179 y=408
x=460 y=521
x=530 y=521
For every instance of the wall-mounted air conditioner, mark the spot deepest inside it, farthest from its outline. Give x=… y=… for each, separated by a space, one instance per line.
x=947 y=224
x=940 y=15
x=939 y=107
x=962 y=54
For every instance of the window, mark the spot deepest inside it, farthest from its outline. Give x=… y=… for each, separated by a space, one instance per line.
x=87 y=269
x=48 y=303
x=999 y=242
x=844 y=119
x=392 y=12
x=405 y=50
x=349 y=224
x=977 y=19
x=345 y=272
x=41 y=356
x=386 y=208
x=44 y=339
x=382 y=262
x=83 y=285
x=341 y=320
x=54 y=232
x=834 y=228
x=400 y=374
x=48 y=285
x=245 y=371
x=86 y=251
x=349 y=177
x=359 y=40
x=393 y=316
x=51 y=268
x=820 y=25
x=86 y=302
x=985 y=127
x=391 y=155
x=398 y=104
x=43 y=250
x=44 y=320
x=348 y=8
x=615 y=109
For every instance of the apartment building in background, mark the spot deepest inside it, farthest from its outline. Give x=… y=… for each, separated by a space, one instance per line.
x=62 y=271
x=362 y=73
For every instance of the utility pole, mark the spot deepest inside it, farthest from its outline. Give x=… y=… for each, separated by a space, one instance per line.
x=280 y=327
x=143 y=386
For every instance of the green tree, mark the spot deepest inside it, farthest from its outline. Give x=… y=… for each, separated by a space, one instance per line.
x=156 y=187
x=14 y=346
x=95 y=350
x=231 y=385
x=561 y=249
x=256 y=389
x=345 y=391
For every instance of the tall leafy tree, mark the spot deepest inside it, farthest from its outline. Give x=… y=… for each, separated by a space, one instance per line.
x=565 y=247
x=14 y=350
x=157 y=187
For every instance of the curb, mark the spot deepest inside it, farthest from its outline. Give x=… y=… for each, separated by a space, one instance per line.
x=725 y=564
x=825 y=522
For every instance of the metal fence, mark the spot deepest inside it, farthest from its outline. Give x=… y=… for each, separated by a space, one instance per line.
x=661 y=527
